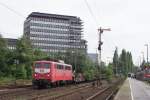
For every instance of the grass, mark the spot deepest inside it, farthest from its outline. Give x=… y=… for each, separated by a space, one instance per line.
x=6 y=81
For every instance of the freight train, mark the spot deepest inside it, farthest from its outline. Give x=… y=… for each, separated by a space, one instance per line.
x=53 y=73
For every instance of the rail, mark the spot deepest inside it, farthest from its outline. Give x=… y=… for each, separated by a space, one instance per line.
x=106 y=93
x=97 y=94
x=63 y=94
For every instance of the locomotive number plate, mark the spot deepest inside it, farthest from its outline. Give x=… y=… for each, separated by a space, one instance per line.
x=41 y=70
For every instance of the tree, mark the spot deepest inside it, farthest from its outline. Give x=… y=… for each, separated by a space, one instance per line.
x=125 y=62
x=109 y=72
x=129 y=62
x=90 y=70
x=115 y=61
x=79 y=61
x=4 y=69
x=76 y=59
x=38 y=54
x=10 y=61
x=24 y=55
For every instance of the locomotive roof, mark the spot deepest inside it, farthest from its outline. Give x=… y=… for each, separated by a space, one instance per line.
x=53 y=62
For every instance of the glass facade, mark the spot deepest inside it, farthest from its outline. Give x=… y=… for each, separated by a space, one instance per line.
x=11 y=43
x=54 y=33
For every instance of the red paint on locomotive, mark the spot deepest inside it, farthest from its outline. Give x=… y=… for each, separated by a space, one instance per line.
x=147 y=73
x=51 y=72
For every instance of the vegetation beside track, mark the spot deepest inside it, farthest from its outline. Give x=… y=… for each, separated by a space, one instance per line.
x=17 y=64
x=12 y=83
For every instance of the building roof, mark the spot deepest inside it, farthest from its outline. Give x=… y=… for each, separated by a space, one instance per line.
x=46 y=15
x=11 y=41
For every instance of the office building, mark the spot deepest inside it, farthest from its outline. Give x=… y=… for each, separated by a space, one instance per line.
x=54 y=33
x=11 y=43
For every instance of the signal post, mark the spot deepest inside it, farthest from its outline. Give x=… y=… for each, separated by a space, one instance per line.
x=100 y=43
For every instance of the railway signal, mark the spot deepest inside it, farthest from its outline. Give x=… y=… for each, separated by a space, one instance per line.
x=101 y=30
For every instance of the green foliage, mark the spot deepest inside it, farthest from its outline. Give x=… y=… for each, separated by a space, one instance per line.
x=24 y=56
x=28 y=73
x=38 y=55
x=4 y=70
x=80 y=62
x=124 y=63
x=6 y=81
x=24 y=50
x=109 y=72
x=76 y=59
x=21 y=72
x=116 y=61
x=89 y=69
x=18 y=63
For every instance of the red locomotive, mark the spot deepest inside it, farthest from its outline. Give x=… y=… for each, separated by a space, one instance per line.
x=51 y=73
x=147 y=73
x=144 y=74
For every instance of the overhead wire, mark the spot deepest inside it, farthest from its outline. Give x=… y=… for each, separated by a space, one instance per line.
x=12 y=10
x=91 y=12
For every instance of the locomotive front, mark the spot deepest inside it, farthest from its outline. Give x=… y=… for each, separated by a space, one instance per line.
x=41 y=73
x=147 y=73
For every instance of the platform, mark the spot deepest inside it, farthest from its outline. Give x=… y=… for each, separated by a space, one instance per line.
x=125 y=92
x=133 y=89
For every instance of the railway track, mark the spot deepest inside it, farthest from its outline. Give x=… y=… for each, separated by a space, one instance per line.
x=33 y=94
x=84 y=91
x=61 y=95
x=79 y=93
x=14 y=87
x=107 y=93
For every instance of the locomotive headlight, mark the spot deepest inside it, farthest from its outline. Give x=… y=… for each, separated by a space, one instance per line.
x=35 y=74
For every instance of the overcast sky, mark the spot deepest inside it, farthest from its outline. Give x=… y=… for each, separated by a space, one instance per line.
x=129 y=21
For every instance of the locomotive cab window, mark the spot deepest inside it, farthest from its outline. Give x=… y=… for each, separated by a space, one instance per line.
x=147 y=71
x=60 y=67
x=47 y=65
x=38 y=65
x=67 y=68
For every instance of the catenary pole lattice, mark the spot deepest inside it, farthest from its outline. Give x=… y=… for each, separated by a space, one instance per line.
x=147 y=51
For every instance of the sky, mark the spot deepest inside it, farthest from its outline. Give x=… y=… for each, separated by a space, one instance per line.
x=129 y=21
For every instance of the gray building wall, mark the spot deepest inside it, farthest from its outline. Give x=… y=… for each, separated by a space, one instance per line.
x=93 y=57
x=54 y=33
x=11 y=43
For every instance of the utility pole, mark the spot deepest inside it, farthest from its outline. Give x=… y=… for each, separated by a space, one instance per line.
x=142 y=56
x=140 y=61
x=99 y=45
x=97 y=57
x=75 y=54
x=100 y=30
x=147 y=52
